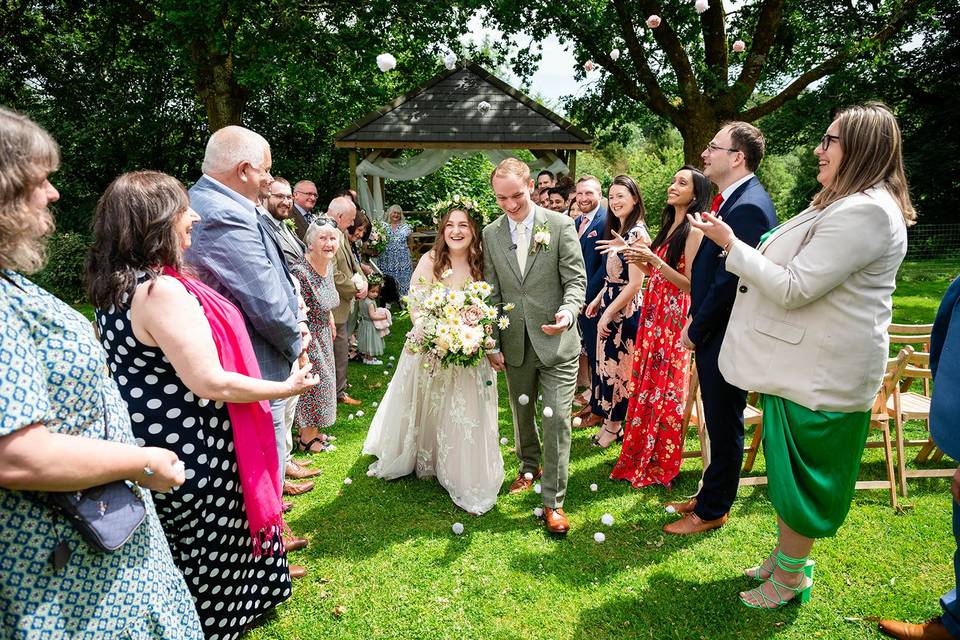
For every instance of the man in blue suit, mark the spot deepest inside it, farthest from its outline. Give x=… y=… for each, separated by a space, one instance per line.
x=233 y=253
x=729 y=161
x=945 y=430
x=590 y=225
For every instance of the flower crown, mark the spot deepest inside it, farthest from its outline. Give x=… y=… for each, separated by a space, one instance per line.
x=460 y=203
x=374 y=280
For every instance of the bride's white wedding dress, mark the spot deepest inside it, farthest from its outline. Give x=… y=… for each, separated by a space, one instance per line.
x=441 y=424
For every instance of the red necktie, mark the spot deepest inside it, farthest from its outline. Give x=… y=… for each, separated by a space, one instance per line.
x=717 y=201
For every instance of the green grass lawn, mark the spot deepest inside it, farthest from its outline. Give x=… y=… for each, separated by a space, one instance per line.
x=383 y=562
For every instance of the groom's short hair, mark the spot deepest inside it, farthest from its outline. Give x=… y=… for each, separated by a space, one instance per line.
x=511 y=167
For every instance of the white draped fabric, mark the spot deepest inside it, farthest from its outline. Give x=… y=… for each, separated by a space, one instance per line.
x=425 y=163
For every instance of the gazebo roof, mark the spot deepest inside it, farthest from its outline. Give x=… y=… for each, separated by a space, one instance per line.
x=444 y=113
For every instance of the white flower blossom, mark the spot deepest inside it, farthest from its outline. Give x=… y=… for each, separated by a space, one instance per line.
x=615 y=54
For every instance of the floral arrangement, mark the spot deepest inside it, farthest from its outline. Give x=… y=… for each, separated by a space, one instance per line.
x=452 y=327
x=471 y=206
x=377 y=240
x=541 y=238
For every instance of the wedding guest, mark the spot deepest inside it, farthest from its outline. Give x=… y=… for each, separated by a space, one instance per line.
x=317 y=408
x=557 y=199
x=304 y=201
x=395 y=260
x=945 y=430
x=653 y=443
x=232 y=252
x=64 y=427
x=808 y=331
x=369 y=339
x=543 y=197
x=279 y=204
x=185 y=366
x=545 y=180
x=351 y=285
x=617 y=306
x=590 y=226
x=729 y=162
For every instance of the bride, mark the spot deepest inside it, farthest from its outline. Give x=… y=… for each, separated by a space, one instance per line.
x=443 y=422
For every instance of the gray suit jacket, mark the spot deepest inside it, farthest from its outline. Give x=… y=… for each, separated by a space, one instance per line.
x=290 y=245
x=233 y=254
x=554 y=279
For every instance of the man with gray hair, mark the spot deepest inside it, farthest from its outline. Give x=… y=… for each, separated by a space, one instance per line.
x=232 y=254
x=351 y=285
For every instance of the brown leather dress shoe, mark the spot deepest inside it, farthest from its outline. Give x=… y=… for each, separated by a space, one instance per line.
x=681 y=507
x=297 y=571
x=691 y=523
x=291 y=489
x=522 y=484
x=345 y=399
x=929 y=630
x=294 y=544
x=297 y=472
x=556 y=520
x=286 y=506
x=590 y=420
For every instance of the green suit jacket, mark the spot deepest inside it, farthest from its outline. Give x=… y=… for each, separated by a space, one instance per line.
x=555 y=279
x=344 y=266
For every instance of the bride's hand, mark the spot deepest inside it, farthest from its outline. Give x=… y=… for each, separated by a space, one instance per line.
x=496 y=361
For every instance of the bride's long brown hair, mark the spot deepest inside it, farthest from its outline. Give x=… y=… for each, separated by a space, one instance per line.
x=441 y=252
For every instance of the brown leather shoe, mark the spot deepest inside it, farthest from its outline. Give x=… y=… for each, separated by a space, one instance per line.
x=286 y=506
x=691 y=523
x=681 y=507
x=291 y=489
x=297 y=472
x=522 y=484
x=294 y=544
x=345 y=399
x=556 y=520
x=930 y=630
x=591 y=420
x=297 y=571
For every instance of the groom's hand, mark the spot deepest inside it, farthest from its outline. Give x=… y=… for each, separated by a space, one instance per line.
x=562 y=321
x=496 y=361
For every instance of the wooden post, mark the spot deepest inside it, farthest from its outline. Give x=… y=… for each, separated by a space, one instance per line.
x=572 y=163
x=353 y=169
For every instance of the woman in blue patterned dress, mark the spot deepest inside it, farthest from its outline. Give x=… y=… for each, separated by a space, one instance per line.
x=618 y=305
x=395 y=259
x=64 y=427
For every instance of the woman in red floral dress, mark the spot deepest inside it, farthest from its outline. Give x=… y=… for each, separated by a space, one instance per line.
x=653 y=439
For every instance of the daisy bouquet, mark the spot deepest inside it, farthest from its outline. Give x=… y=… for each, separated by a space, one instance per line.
x=453 y=327
x=377 y=240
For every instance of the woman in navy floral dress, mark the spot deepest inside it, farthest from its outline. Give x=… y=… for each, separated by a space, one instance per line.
x=395 y=260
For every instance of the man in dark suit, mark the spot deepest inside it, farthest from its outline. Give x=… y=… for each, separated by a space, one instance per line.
x=590 y=225
x=729 y=161
x=279 y=204
x=945 y=430
x=304 y=200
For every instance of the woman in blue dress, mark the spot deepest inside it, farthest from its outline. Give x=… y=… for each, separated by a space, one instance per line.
x=395 y=259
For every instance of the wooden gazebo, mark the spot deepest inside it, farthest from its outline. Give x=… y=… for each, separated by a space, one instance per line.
x=464 y=108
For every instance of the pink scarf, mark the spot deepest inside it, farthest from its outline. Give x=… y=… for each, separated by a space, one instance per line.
x=253 y=437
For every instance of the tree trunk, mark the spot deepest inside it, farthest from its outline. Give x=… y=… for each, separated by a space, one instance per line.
x=222 y=97
x=697 y=130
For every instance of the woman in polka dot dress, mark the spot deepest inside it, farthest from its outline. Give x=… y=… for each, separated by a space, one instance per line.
x=168 y=353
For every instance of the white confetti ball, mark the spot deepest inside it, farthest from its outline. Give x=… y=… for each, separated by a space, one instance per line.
x=739 y=46
x=599 y=538
x=350 y=417
x=547 y=412
x=523 y=399
x=528 y=476
x=386 y=372
x=607 y=519
x=593 y=487
x=701 y=6
x=670 y=509
x=538 y=511
x=386 y=62
x=653 y=21
x=457 y=528
x=615 y=54
x=375 y=403
x=504 y=441
x=484 y=106
x=577 y=421
x=537 y=488
x=588 y=66
x=371 y=473
x=359 y=414
x=347 y=481
x=539 y=398
x=450 y=61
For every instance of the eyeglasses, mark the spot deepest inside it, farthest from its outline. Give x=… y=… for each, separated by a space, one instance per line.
x=309 y=194
x=826 y=140
x=281 y=196
x=712 y=147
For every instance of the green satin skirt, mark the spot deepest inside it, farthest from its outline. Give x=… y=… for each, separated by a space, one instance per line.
x=813 y=458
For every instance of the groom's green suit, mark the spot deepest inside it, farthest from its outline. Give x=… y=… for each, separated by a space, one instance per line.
x=553 y=280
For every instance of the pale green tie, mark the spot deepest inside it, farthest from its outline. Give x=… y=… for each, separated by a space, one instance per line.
x=523 y=246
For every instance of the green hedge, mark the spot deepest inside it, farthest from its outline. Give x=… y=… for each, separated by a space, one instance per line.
x=63 y=275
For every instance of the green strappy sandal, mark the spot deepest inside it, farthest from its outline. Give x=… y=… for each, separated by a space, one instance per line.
x=801 y=592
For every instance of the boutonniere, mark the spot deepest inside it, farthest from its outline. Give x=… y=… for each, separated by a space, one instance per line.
x=541 y=238
x=290 y=224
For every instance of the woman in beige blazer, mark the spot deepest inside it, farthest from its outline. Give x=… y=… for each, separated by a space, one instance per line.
x=809 y=332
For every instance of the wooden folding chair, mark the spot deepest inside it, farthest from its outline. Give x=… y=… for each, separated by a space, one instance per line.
x=916 y=336
x=912 y=405
x=880 y=420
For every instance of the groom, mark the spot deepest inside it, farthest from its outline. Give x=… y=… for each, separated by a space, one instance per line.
x=532 y=259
